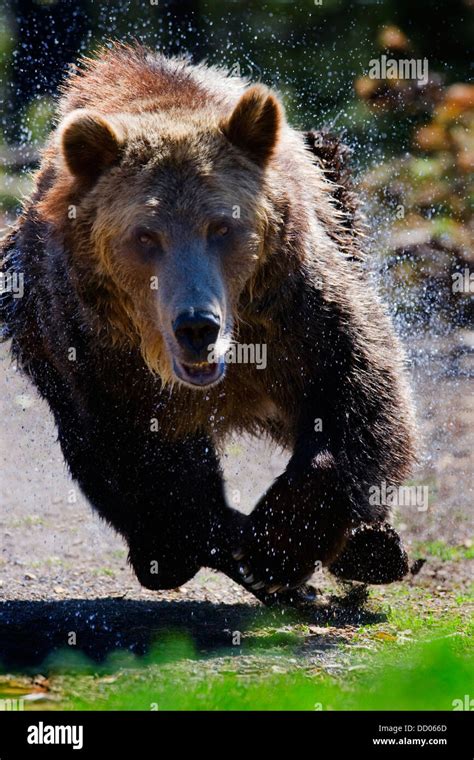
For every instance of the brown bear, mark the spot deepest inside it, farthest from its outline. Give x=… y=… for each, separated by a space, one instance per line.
x=177 y=216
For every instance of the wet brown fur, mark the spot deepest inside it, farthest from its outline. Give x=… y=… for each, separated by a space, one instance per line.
x=307 y=297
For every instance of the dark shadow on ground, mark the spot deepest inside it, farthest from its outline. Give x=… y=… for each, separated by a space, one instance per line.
x=31 y=631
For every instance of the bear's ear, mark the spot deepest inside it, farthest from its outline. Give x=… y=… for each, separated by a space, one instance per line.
x=90 y=143
x=254 y=124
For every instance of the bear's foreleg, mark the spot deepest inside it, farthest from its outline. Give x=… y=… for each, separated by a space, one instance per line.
x=303 y=519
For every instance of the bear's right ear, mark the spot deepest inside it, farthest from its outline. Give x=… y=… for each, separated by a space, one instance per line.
x=254 y=124
x=90 y=143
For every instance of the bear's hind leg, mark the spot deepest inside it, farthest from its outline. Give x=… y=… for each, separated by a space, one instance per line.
x=373 y=554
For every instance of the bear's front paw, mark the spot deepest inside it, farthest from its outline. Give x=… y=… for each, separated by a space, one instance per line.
x=158 y=569
x=274 y=560
x=270 y=572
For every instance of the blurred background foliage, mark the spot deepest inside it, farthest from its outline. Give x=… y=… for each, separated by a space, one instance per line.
x=413 y=145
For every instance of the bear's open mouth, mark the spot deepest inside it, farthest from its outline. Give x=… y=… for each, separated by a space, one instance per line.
x=199 y=373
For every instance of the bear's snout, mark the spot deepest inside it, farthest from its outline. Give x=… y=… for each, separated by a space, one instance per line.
x=195 y=332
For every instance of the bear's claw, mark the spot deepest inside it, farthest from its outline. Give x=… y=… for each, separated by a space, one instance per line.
x=302 y=596
x=247 y=577
x=274 y=588
x=374 y=554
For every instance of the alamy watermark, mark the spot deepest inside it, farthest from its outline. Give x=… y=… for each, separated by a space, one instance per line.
x=463 y=282
x=404 y=68
x=12 y=282
x=241 y=353
x=467 y=703
x=399 y=496
x=12 y=705
x=42 y=733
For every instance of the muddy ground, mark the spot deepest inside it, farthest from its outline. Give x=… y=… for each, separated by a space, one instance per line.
x=62 y=569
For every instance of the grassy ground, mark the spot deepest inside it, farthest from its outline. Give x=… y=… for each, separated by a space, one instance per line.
x=411 y=649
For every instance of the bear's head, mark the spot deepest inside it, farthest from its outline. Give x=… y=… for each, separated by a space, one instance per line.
x=170 y=221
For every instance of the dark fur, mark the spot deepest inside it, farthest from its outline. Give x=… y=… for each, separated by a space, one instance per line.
x=331 y=352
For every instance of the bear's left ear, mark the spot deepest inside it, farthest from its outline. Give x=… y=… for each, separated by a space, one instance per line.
x=90 y=143
x=254 y=124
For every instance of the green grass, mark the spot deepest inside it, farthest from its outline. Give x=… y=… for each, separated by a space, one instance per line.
x=428 y=677
x=418 y=657
x=444 y=551
x=416 y=653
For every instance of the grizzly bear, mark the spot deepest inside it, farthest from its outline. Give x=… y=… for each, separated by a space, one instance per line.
x=177 y=214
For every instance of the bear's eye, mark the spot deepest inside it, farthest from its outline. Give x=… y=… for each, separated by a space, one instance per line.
x=145 y=239
x=218 y=229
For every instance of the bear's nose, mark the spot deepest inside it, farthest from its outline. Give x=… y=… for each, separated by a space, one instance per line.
x=195 y=331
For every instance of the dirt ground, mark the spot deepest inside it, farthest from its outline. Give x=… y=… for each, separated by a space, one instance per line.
x=60 y=565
